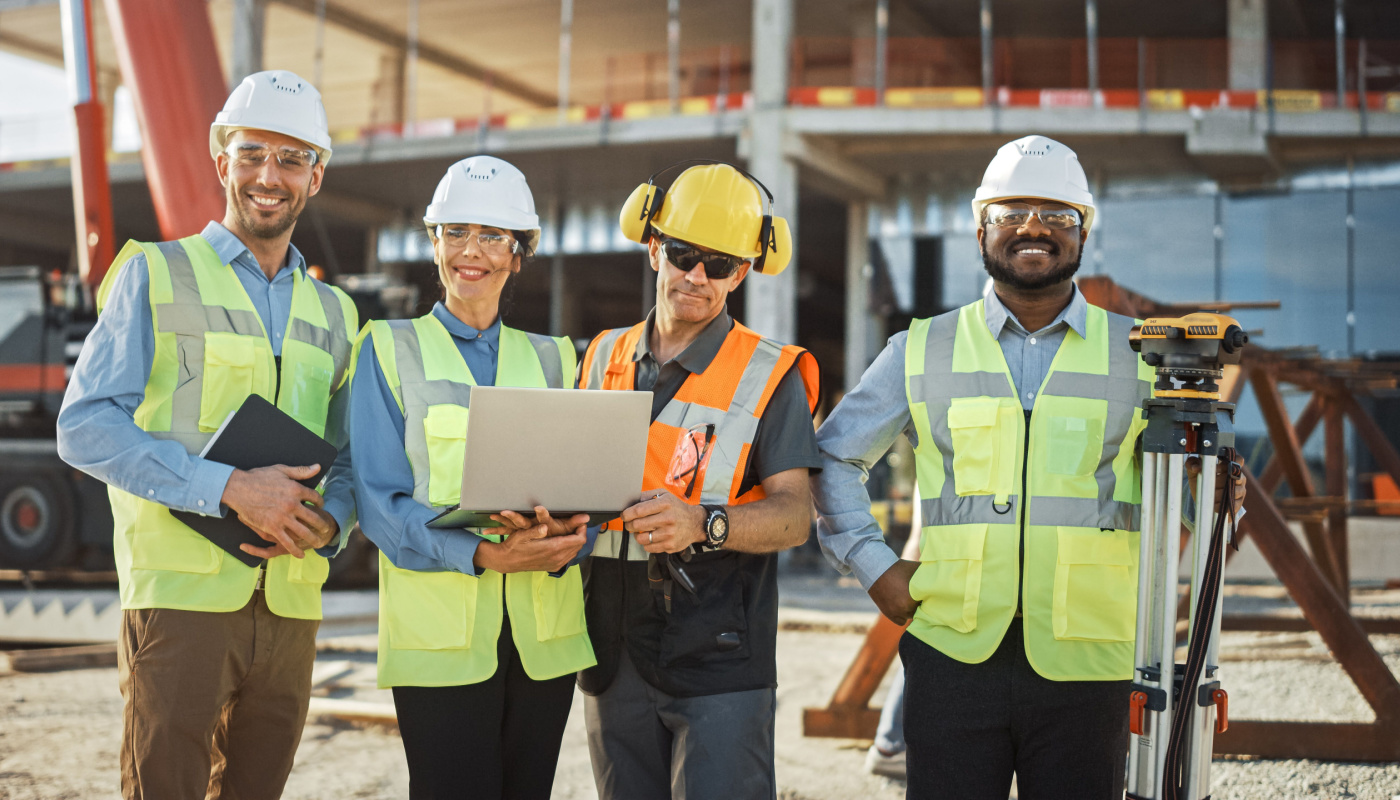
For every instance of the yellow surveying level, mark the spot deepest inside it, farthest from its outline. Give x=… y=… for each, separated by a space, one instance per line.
x=1175 y=709
x=1192 y=349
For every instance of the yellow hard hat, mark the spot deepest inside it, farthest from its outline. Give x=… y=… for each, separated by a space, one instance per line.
x=714 y=205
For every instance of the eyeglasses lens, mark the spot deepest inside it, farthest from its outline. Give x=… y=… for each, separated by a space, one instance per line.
x=685 y=256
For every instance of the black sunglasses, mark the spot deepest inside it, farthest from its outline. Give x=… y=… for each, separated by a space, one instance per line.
x=685 y=256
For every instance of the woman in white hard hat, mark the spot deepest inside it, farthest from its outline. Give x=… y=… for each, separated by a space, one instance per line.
x=479 y=635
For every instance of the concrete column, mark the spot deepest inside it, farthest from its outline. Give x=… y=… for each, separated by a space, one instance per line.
x=882 y=49
x=988 y=68
x=566 y=47
x=249 y=19
x=1248 y=22
x=387 y=100
x=1091 y=40
x=770 y=302
x=673 y=54
x=862 y=16
x=410 y=88
x=1340 y=26
x=864 y=331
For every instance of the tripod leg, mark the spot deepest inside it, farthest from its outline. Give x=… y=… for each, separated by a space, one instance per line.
x=1166 y=612
x=1202 y=727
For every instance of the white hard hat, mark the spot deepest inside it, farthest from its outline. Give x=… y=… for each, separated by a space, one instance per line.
x=1035 y=167
x=485 y=190
x=275 y=100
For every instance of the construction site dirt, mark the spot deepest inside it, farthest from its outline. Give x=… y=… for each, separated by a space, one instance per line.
x=60 y=731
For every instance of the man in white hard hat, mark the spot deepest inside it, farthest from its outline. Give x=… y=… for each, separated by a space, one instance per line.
x=1024 y=409
x=215 y=655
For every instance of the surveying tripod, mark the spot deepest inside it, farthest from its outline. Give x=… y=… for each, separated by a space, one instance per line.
x=1175 y=710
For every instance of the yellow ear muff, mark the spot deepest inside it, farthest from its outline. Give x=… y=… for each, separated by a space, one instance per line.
x=636 y=214
x=778 y=247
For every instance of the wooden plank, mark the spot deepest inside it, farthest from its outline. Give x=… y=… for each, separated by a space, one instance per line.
x=1334 y=430
x=1289 y=450
x=1272 y=474
x=1327 y=741
x=849 y=714
x=1274 y=623
x=353 y=711
x=1321 y=604
x=52 y=659
x=1368 y=432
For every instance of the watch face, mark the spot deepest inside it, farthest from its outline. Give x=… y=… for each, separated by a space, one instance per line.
x=720 y=527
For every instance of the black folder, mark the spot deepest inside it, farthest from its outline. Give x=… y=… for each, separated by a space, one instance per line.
x=258 y=434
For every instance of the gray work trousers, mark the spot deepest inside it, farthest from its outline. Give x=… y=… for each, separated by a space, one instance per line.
x=648 y=745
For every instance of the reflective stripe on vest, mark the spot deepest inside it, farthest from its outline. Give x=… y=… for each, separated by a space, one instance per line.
x=611 y=364
x=1077 y=585
x=441 y=628
x=211 y=353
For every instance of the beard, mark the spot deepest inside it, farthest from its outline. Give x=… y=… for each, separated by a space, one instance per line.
x=259 y=226
x=1002 y=272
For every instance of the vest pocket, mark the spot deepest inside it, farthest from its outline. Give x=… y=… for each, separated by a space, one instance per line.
x=310 y=374
x=1075 y=444
x=445 y=427
x=983 y=457
x=230 y=366
x=159 y=541
x=428 y=610
x=712 y=624
x=314 y=569
x=948 y=582
x=1096 y=585
x=558 y=604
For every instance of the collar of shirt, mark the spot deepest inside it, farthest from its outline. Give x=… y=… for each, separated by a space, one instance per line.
x=1076 y=314
x=231 y=250
x=491 y=336
x=699 y=353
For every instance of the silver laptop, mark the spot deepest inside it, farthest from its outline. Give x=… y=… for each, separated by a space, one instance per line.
x=572 y=451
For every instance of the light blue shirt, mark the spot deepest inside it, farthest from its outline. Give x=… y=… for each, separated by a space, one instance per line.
x=389 y=516
x=97 y=432
x=868 y=420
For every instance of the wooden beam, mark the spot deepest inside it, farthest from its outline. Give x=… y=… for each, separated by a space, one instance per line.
x=439 y=56
x=1369 y=432
x=1336 y=482
x=1272 y=473
x=57 y=658
x=1289 y=450
x=1321 y=605
x=849 y=715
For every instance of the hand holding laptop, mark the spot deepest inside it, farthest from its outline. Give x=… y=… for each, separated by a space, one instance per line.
x=542 y=545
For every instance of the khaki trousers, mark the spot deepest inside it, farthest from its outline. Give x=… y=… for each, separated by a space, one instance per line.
x=215 y=702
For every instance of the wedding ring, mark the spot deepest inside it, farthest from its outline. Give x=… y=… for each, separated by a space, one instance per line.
x=649 y=539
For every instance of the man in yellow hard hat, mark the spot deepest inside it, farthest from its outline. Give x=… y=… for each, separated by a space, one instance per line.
x=214 y=655
x=1024 y=409
x=681 y=592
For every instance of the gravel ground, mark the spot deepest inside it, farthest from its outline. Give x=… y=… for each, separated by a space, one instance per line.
x=60 y=732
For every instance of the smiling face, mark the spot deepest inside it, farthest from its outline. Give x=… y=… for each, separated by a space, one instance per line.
x=690 y=297
x=264 y=200
x=473 y=276
x=1032 y=256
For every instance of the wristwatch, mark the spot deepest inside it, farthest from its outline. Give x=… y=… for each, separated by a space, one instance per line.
x=716 y=526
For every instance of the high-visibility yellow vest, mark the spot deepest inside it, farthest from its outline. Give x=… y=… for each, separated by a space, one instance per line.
x=1072 y=497
x=211 y=353
x=441 y=628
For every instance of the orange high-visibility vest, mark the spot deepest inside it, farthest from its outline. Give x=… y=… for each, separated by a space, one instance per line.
x=731 y=395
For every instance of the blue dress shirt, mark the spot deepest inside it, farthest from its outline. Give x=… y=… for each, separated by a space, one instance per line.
x=96 y=429
x=868 y=420
x=389 y=516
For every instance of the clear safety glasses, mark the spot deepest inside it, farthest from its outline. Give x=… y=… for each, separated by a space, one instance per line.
x=254 y=154
x=1014 y=215
x=490 y=242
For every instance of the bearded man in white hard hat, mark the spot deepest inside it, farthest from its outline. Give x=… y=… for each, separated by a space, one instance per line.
x=216 y=647
x=1024 y=409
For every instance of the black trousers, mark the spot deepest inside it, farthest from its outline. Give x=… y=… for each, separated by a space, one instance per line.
x=970 y=726
x=494 y=740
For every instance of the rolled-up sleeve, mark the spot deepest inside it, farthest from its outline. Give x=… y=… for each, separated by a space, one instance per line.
x=855 y=436
x=97 y=431
x=389 y=516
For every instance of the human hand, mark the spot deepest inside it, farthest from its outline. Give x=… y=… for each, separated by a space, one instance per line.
x=514 y=521
x=530 y=549
x=324 y=532
x=891 y=592
x=271 y=502
x=665 y=524
x=1222 y=477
